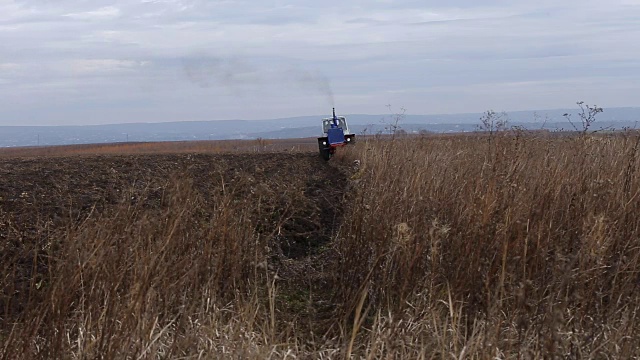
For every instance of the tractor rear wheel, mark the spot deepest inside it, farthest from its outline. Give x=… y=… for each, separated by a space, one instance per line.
x=325 y=153
x=325 y=150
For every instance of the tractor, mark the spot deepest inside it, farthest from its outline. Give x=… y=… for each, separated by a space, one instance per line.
x=335 y=134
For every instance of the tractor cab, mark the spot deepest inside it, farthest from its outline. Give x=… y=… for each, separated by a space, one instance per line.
x=341 y=123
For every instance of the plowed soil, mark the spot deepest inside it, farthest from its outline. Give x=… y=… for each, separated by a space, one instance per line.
x=40 y=197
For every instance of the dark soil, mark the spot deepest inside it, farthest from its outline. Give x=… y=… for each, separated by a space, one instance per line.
x=42 y=197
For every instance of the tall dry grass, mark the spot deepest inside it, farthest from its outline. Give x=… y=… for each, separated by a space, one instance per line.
x=502 y=246
x=508 y=246
x=141 y=281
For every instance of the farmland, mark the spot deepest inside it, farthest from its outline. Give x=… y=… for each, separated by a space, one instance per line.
x=513 y=245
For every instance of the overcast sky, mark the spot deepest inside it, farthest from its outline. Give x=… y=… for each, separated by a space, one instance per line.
x=92 y=62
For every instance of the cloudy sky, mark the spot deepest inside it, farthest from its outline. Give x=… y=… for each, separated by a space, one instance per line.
x=98 y=61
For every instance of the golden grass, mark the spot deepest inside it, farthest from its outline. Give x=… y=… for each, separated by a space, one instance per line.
x=508 y=245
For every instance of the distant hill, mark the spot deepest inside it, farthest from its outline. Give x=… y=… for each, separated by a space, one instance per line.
x=303 y=126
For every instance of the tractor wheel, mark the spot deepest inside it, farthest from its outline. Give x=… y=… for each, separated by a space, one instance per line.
x=325 y=153
x=325 y=150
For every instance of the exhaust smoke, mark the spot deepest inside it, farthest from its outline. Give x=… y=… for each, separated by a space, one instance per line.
x=236 y=74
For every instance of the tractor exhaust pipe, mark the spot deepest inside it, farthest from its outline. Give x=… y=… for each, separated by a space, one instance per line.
x=335 y=118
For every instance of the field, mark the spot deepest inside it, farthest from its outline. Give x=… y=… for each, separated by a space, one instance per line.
x=508 y=245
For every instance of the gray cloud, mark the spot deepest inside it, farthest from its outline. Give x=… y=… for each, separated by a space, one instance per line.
x=81 y=61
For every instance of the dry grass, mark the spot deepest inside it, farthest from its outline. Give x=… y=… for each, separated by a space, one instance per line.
x=504 y=246
x=137 y=282
x=509 y=246
x=173 y=268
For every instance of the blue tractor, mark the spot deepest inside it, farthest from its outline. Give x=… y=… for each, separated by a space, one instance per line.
x=335 y=134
